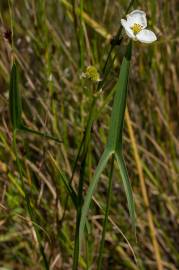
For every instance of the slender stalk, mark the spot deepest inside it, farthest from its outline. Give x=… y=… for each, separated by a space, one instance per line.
x=10 y=5
x=100 y=258
x=81 y=36
x=78 y=216
x=78 y=30
x=85 y=140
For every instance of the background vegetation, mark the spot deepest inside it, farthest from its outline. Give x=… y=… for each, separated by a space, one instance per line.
x=54 y=41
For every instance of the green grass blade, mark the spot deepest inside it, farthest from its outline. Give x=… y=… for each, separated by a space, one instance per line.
x=119 y=105
x=15 y=105
x=69 y=188
x=47 y=136
x=66 y=182
x=127 y=186
x=109 y=193
x=101 y=165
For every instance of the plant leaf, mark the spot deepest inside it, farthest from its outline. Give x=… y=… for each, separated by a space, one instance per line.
x=127 y=186
x=114 y=143
x=101 y=165
x=119 y=104
x=15 y=105
x=66 y=182
x=26 y=129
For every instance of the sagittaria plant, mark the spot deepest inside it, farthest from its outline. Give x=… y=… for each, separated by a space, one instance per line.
x=135 y=29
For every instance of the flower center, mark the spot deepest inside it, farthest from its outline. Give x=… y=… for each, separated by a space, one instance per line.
x=136 y=28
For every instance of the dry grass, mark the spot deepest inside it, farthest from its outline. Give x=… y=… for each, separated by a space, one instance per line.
x=55 y=100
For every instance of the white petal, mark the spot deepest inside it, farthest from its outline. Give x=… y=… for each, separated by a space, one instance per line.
x=137 y=16
x=146 y=36
x=127 y=28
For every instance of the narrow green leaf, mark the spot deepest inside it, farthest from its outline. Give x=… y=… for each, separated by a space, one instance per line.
x=101 y=165
x=15 y=105
x=66 y=182
x=119 y=105
x=109 y=193
x=26 y=129
x=127 y=186
x=69 y=188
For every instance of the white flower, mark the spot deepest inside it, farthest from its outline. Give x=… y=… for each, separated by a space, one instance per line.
x=135 y=27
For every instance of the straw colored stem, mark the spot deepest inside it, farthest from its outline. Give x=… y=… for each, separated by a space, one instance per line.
x=144 y=193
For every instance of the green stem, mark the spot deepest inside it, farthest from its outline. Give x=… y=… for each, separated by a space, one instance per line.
x=81 y=36
x=78 y=216
x=99 y=263
x=83 y=145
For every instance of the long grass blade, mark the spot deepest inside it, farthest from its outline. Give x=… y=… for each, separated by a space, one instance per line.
x=15 y=105
x=66 y=182
x=47 y=136
x=127 y=186
x=100 y=258
x=119 y=105
x=101 y=165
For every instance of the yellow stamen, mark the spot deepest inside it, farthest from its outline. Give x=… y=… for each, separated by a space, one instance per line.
x=136 y=28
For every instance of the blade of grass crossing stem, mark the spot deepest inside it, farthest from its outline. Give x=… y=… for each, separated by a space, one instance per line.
x=69 y=188
x=86 y=136
x=101 y=165
x=127 y=186
x=15 y=105
x=47 y=136
x=66 y=183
